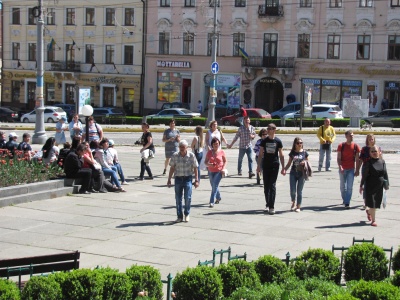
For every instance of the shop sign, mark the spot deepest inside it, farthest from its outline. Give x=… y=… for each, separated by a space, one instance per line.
x=228 y=80
x=351 y=83
x=393 y=86
x=268 y=80
x=173 y=64
x=311 y=81
x=103 y=79
x=364 y=70
x=330 y=82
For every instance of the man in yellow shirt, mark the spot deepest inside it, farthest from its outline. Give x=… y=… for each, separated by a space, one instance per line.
x=326 y=135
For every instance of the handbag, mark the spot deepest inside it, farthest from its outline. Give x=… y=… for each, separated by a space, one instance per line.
x=146 y=155
x=326 y=146
x=203 y=166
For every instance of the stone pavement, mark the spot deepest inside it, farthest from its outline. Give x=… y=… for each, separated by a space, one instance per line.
x=136 y=227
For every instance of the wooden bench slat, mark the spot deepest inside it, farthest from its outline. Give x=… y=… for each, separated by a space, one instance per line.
x=26 y=261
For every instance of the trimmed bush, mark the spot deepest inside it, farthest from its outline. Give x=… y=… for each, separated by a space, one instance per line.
x=145 y=278
x=42 y=288
x=317 y=263
x=200 y=283
x=396 y=279
x=365 y=261
x=396 y=261
x=116 y=285
x=246 y=293
x=271 y=269
x=8 y=290
x=370 y=290
x=344 y=296
x=324 y=287
x=238 y=273
x=81 y=284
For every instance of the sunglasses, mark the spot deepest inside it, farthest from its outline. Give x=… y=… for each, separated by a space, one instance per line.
x=374 y=151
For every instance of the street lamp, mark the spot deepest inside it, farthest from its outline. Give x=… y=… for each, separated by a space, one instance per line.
x=87 y=111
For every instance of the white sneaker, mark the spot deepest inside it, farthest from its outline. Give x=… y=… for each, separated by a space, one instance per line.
x=187 y=218
x=297 y=210
x=125 y=183
x=266 y=209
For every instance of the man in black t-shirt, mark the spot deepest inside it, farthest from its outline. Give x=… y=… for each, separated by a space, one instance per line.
x=270 y=155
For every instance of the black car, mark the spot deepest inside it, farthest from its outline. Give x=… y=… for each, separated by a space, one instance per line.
x=8 y=115
x=68 y=108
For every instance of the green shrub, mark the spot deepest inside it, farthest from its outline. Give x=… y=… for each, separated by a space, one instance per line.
x=145 y=278
x=116 y=285
x=370 y=290
x=8 y=290
x=317 y=263
x=82 y=284
x=324 y=287
x=396 y=260
x=365 y=261
x=396 y=279
x=42 y=287
x=396 y=123
x=246 y=293
x=343 y=296
x=238 y=273
x=200 y=283
x=270 y=268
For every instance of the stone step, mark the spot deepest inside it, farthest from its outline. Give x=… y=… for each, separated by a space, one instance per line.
x=17 y=190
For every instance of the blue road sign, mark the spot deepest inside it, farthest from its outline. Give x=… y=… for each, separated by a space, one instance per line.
x=214 y=67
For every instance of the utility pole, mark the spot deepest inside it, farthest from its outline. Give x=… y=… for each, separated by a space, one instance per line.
x=39 y=136
x=214 y=70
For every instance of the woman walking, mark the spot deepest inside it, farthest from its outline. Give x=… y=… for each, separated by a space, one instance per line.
x=214 y=132
x=376 y=179
x=297 y=159
x=215 y=162
x=197 y=145
x=171 y=139
x=147 y=142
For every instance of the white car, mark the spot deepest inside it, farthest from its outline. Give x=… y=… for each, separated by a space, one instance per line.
x=51 y=115
x=320 y=111
x=174 y=113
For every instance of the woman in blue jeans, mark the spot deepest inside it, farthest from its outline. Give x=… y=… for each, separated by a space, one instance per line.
x=198 y=145
x=297 y=159
x=215 y=162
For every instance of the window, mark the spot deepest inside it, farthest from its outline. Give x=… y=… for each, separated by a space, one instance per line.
x=188 y=43
x=89 y=16
x=305 y=3
x=70 y=53
x=128 y=55
x=110 y=16
x=335 y=3
x=190 y=3
x=31 y=17
x=238 y=41
x=363 y=46
x=394 y=47
x=70 y=16
x=89 y=54
x=51 y=53
x=240 y=3
x=303 y=50
x=163 y=43
x=395 y=3
x=109 y=54
x=365 y=3
x=32 y=51
x=209 y=44
x=129 y=16
x=15 y=51
x=51 y=16
x=333 y=47
x=214 y=1
x=165 y=3
x=16 y=16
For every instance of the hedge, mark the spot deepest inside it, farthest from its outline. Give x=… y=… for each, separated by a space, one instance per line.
x=8 y=290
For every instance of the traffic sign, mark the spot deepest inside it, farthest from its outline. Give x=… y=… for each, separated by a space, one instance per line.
x=214 y=67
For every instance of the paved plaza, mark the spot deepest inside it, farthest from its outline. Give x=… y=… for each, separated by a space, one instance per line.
x=121 y=229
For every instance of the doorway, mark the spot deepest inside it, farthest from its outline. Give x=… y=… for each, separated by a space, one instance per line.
x=108 y=96
x=269 y=94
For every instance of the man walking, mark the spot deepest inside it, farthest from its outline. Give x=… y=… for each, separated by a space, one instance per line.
x=246 y=133
x=183 y=165
x=270 y=155
x=348 y=154
x=326 y=135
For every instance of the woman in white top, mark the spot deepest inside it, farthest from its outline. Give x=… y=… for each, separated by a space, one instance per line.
x=50 y=151
x=214 y=132
x=197 y=145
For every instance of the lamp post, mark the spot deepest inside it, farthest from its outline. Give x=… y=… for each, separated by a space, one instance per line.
x=87 y=111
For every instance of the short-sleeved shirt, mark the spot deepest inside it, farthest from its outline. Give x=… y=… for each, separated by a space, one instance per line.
x=144 y=140
x=216 y=158
x=297 y=158
x=94 y=131
x=171 y=147
x=271 y=150
x=24 y=146
x=348 y=154
x=184 y=165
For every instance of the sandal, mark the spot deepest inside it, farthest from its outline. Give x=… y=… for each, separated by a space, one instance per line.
x=374 y=224
x=121 y=189
x=368 y=215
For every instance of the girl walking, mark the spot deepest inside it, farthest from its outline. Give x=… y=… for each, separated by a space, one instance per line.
x=197 y=145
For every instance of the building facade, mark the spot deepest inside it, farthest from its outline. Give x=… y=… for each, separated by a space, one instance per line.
x=270 y=52
x=86 y=44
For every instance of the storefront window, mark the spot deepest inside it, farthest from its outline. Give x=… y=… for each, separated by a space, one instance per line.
x=169 y=87
x=49 y=95
x=330 y=91
x=16 y=91
x=130 y=106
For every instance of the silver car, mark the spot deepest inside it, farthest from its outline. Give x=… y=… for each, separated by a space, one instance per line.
x=384 y=118
x=51 y=115
x=174 y=113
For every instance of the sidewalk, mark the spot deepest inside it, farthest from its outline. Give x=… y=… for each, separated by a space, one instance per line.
x=136 y=227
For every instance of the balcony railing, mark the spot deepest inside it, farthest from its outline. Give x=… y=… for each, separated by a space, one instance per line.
x=70 y=66
x=268 y=62
x=270 y=11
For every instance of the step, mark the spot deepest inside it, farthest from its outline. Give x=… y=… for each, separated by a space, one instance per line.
x=17 y=190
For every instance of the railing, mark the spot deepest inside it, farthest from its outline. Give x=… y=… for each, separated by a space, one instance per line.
x=270 y=11
x=263 y=62
x=71 y=66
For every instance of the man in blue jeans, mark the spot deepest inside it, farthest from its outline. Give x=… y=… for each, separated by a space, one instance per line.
x=348 y=154
x=246 y=133
x=183 y=165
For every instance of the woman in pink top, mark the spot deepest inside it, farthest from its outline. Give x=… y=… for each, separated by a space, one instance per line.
x=215 y=162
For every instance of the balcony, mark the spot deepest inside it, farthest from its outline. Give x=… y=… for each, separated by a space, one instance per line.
x=270 y=14
x=65 y=66
x=268 y=62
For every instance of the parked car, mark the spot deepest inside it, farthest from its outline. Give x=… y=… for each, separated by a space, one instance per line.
x=290 y=108
x=68 y=108
x=384 y=118
x=174 y=112
x=8 y=115
x=18 y=110
x=51 y=114
x=330 y=111
x=167 y=105
x=253 y=113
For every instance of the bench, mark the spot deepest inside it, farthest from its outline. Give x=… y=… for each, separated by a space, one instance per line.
x=38 y=265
